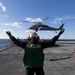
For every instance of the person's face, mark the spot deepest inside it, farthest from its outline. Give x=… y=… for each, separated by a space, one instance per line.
x=33 y=37
x=34 y=40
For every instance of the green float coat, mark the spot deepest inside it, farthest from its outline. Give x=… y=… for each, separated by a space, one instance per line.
x=33 y=56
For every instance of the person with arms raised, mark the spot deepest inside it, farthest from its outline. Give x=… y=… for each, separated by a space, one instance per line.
x=33 y=51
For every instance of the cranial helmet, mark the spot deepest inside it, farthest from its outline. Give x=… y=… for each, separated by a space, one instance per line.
x=33 y=35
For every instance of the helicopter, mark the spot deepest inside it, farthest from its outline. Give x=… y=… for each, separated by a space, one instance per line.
x=40 y=26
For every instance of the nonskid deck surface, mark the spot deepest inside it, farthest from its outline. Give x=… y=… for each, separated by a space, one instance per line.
x=59 y=60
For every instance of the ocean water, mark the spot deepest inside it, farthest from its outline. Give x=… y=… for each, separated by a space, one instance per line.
x=4 y=43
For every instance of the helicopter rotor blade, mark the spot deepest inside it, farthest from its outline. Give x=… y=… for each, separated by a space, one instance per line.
x=35 y=22
x=46 y=18
x=28 y=22
x=25 y=21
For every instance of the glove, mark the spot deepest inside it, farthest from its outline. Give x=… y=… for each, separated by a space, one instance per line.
x=62 y=31
x=8 y=33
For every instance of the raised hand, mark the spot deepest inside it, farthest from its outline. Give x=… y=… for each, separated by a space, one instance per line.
x=8 y=33
x=62 y=31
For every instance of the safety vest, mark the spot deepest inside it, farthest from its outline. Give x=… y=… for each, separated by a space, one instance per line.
x=33 y=56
